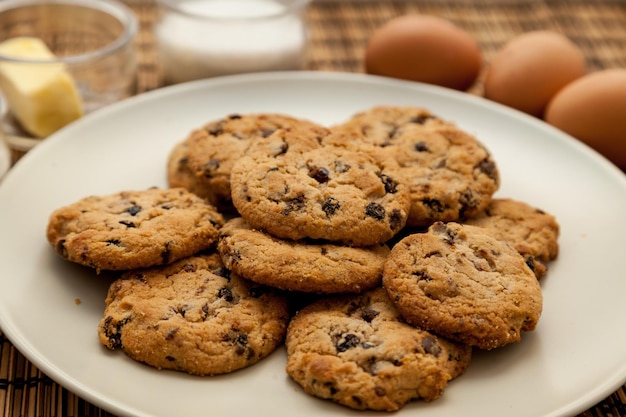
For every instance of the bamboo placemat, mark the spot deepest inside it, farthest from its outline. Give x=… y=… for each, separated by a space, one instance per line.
x=339 y=33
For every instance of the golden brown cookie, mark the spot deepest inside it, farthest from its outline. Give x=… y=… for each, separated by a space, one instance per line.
x=450 y=174
x=213 y=149
x=531 y=231
x=459 y=281
x=357 y=351
x=193 y=316
x=292 y=185
x=307 y=266
x=133 y=229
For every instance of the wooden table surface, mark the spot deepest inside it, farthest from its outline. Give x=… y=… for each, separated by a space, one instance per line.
x=339 y=32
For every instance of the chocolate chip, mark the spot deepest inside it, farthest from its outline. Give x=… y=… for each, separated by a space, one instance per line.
x=433 y=205
x=211 y=166
x=114 y=242
x=266 y=132
x=226 y=294
x=113 y=333
x=166 y=254
x=468 y=201
x=189 y=268
x=128 y=224
x=431 y=346
x=170 y=358
x=61 y=249
x=348 y=341
x=241 y=343
x=295 y=204
x=170 y=335
x=234 y=116
x=391 y=186
x=488 y=167
x=421 y=119
x=282 y=149
x=422 y=276
x=133 y=210
x=380 y=391
x=222 y=272
x=530 y=261
x=421 y=146
x=396 y=219
x=375 y=210
x=331 y=388
x=330 y=206
x=319 y=174
x=368 y=314
x=449 y=235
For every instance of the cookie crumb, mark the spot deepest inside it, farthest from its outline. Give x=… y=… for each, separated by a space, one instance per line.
x=77 y=301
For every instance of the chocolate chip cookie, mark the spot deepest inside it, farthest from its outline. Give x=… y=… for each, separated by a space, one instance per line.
x=459 y=281
x=451 y=175
x=193 y=316
x=214 y=148
x=357 y=351
x=179 y=175
x=133 y=229
x=294 y=186
x=307 y=266
x=531 y=231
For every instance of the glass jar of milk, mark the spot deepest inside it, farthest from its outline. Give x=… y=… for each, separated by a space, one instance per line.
x=206 y=38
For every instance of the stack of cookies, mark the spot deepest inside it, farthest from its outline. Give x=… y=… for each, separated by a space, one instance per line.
x=374 y=249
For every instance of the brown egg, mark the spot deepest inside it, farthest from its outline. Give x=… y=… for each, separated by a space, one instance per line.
x=593 y=110
x=531 y=68
x=426 y=49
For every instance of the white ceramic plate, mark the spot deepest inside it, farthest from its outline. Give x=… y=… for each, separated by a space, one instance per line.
x=573 y=359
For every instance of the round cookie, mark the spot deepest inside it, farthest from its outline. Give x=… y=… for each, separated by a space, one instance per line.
x=451 y=175
x=133 y=229
x=531 y=231
x=193 y=316
x=293 y=186
x=306 y=266
x=462 y=283
x=179 y=175
x=214 y=148
x=357 y=351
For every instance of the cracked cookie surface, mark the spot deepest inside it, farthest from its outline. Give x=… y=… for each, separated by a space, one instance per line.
x=357 y=351
x=294 y=185
x=307 y=266
x=531 y=231
x=451 y=175
x=459 y=281
x=193 y=316
x=213 y=149
x=133 y=229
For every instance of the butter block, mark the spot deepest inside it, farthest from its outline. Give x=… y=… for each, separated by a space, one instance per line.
x=42 y=96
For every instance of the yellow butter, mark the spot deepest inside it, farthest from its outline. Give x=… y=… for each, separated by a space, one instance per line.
x=42 y=96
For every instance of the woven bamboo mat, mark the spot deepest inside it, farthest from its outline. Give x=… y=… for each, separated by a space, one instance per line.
x=339 y=32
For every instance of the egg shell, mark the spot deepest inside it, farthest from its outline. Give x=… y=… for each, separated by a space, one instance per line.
x=593 y=110
x=424 y=48
x=531 y=68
